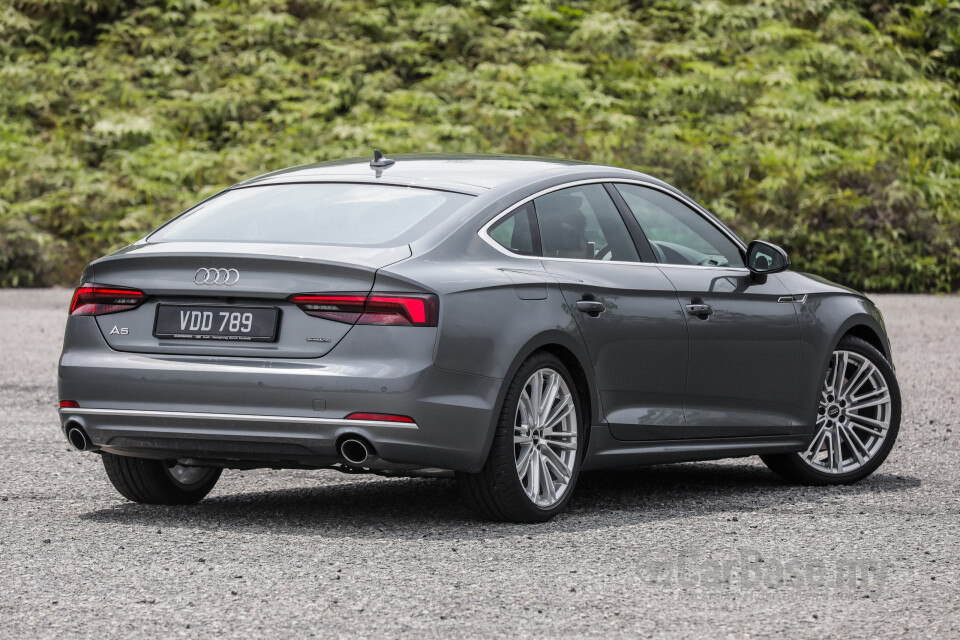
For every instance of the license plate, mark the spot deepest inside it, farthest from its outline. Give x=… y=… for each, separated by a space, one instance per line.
x=239 y=324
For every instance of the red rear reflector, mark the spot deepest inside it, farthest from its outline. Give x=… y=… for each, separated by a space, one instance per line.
x=381 y=417
x=69 y=404
x=94 y=300
x=403 y=310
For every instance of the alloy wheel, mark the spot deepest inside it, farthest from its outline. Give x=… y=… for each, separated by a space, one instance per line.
x=854 y=415
x=545 y=437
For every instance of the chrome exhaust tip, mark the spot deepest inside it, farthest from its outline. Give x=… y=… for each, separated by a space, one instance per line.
x=78 y=439
x=355 y=451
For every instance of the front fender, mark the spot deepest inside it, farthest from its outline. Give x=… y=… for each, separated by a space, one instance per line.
x=825 y=318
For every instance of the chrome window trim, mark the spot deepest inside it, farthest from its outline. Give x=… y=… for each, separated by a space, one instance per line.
x=484 y=230
x=240 y=417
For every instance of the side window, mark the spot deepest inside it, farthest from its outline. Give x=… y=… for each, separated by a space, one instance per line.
x=518 y=232
x=677 y=233
x=582 y=222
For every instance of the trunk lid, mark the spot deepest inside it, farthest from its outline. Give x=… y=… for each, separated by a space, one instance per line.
x=171 y=274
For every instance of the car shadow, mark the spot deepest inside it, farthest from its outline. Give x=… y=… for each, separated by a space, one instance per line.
x=400 y=507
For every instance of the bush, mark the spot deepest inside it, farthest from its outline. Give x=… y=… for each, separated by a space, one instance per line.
x=829 y=128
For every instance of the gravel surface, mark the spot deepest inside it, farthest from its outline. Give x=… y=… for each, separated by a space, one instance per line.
x=712 y=549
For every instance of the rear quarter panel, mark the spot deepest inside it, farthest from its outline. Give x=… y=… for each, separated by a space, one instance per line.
x=490 y=323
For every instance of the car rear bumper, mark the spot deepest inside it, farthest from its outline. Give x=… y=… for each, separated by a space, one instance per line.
x=279 y=412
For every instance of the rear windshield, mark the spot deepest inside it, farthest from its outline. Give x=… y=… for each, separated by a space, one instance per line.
x=339 y=214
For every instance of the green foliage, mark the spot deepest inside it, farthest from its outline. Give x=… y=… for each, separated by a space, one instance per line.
x=828 y=127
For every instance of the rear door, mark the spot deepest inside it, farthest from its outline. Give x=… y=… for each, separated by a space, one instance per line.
x=744 y=335
x=627 y=311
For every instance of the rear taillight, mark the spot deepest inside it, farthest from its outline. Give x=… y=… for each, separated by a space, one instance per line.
x=342 y=308
x=417 y=311
x=420 y=310
x=96 y=300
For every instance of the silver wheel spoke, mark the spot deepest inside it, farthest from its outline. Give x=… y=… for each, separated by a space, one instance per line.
x=852 y=390
x=817 y=444
x=549 y=396
x=836 y=452
x=878 y=391
x=549 y=490
x=560 y=444
x=555 y=464
x=870 y=430
x=839 y=368
x=869 y=422
x=524 y=427
x=536 y=391
x=527 y=416
x=559 y=414
x=862 y=369
x=856 y=445
x=533 y=477
x=884 y=399
x=523 y=464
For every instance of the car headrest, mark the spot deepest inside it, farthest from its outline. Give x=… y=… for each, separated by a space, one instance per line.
x=521 y=240
x=562 y=224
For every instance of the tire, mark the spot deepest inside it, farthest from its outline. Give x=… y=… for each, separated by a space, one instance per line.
x=500 y=491
x=154 y=482
x=838 y=417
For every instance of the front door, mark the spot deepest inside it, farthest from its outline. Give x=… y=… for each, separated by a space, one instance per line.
x=744 y=337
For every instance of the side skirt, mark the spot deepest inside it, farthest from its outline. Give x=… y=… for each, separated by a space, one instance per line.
x=606 y=452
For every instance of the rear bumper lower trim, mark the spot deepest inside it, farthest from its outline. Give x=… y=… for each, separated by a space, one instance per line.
x=332 y=422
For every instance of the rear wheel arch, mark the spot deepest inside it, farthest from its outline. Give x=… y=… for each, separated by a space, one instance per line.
x=574 y=361
x=575 y=358
x=573 y=364
x=531 y=470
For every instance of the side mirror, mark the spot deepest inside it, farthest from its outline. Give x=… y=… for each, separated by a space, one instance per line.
x=764 y=258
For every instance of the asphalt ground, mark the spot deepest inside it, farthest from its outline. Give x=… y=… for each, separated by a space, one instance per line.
x=714 y=550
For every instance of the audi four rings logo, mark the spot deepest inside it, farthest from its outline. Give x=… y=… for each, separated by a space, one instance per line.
x=228 y=277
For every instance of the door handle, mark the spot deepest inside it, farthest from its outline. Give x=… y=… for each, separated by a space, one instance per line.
x=590 y=307
x=700 y=310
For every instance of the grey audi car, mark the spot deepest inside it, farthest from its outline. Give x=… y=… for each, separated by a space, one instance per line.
x=513 y=320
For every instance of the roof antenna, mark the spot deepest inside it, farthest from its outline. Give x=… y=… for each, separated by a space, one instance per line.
x=379 y=162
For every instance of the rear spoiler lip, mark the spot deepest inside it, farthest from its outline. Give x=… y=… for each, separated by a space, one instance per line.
x=370 y=258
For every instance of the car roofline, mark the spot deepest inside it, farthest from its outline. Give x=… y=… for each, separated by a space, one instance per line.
x=410 y=183
x=490 y=172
